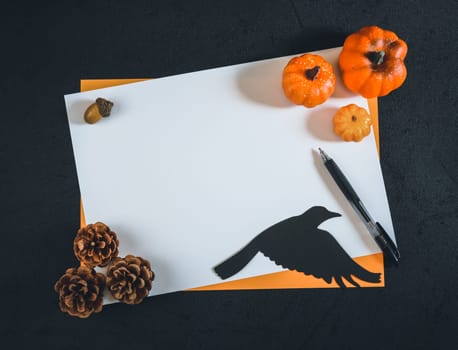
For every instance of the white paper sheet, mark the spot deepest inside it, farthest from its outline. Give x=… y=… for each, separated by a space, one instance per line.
x=189 y=168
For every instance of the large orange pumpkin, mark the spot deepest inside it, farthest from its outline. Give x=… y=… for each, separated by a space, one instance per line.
x=308 y=80
x=372 y=62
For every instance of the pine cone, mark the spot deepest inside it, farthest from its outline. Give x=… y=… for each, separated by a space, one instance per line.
x=80 y=291
x=95 y=245
x=130 y=279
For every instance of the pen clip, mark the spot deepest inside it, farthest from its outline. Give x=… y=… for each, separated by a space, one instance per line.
x=385 y=241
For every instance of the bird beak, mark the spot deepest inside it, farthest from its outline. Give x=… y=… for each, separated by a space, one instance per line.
x=334 y=215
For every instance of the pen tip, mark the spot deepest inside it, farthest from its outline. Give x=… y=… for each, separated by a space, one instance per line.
x=323 y=154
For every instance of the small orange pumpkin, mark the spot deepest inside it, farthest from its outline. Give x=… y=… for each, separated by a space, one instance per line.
x=352 y=123
x=372 y=62
x=308 y=80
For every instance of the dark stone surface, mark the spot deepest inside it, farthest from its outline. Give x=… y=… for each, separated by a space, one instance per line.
x=48 y=47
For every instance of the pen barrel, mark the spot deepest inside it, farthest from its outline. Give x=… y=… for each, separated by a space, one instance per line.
x=387 y=245
x=342 y=181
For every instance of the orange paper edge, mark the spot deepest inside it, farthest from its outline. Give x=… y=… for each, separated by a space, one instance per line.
x=278 y=280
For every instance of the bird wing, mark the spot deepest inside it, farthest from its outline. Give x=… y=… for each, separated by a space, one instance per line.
x=314 y=252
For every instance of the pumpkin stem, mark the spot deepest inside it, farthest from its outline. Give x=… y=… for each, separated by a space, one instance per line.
x=376 y=57
x=312 y=72
x=354 y=118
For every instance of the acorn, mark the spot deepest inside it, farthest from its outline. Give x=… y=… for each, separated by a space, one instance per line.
x=95 y=112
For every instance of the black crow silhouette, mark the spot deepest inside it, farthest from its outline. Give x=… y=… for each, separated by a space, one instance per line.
x=298 y=244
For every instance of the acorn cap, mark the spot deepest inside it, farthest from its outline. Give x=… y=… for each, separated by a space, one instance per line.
x=104 y=106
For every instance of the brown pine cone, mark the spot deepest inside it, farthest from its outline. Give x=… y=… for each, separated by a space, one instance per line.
x=130 y=279
x=95 y=245
x=80 y=291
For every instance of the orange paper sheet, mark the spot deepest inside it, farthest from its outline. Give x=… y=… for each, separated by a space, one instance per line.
x=279 y=280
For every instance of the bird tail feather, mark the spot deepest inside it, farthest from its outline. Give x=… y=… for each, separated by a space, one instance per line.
x=237 y=261
x=365 y=275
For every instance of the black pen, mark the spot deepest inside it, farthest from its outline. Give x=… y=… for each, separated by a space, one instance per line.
x=376 y=230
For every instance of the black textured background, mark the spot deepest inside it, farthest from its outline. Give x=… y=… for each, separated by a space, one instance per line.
x=46 y=47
